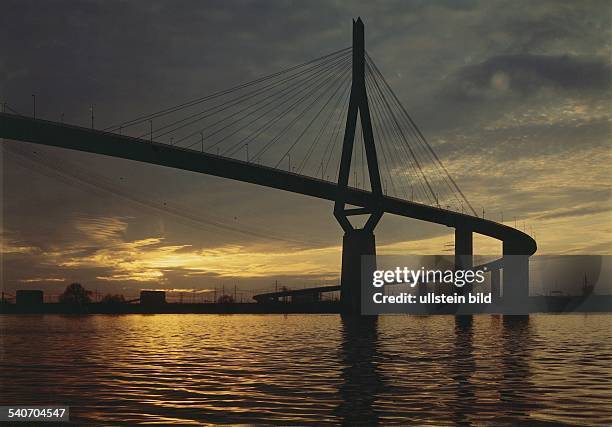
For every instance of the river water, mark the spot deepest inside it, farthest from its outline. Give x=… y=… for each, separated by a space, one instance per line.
x=311 y=369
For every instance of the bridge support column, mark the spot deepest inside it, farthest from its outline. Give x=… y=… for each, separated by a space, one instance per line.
x=464 y=251
x=495 y=285
x=358 y=245
x=358 y=258
x=516 y=279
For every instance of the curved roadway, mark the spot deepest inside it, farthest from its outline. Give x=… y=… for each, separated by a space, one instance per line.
x=55 y=134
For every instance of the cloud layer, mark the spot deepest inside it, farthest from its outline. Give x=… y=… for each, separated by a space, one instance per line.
x=513 y=96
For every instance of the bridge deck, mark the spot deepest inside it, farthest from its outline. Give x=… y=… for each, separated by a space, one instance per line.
x=50 y=133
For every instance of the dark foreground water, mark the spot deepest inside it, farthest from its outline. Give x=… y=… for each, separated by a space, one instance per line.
x=305 y=369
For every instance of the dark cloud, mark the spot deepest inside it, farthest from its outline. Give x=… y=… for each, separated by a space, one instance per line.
x=526 y=74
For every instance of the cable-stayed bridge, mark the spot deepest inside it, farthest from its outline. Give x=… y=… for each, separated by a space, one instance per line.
x=330 y=128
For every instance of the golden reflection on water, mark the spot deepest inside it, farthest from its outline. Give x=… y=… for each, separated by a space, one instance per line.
x=306 y=369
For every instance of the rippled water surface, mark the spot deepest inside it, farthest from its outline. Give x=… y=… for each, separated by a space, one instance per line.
x=540 y=370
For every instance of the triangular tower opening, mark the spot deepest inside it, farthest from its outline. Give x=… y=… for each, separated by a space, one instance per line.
x=359 y=176
x=359 y=163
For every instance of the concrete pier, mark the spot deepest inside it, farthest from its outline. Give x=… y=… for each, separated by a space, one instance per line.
x=358 y=257
x=515 y=288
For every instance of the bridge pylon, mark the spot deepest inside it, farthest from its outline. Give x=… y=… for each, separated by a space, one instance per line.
x=358 y=244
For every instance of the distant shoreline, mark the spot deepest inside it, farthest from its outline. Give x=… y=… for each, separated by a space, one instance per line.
x=537 y=304
x=172 y=308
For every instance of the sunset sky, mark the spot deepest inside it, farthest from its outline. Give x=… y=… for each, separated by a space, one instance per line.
x=514 y=97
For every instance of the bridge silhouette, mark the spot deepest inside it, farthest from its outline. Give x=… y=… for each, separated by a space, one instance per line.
x=293 y=112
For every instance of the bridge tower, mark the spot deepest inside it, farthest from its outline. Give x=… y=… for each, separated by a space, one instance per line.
x=358 y=244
